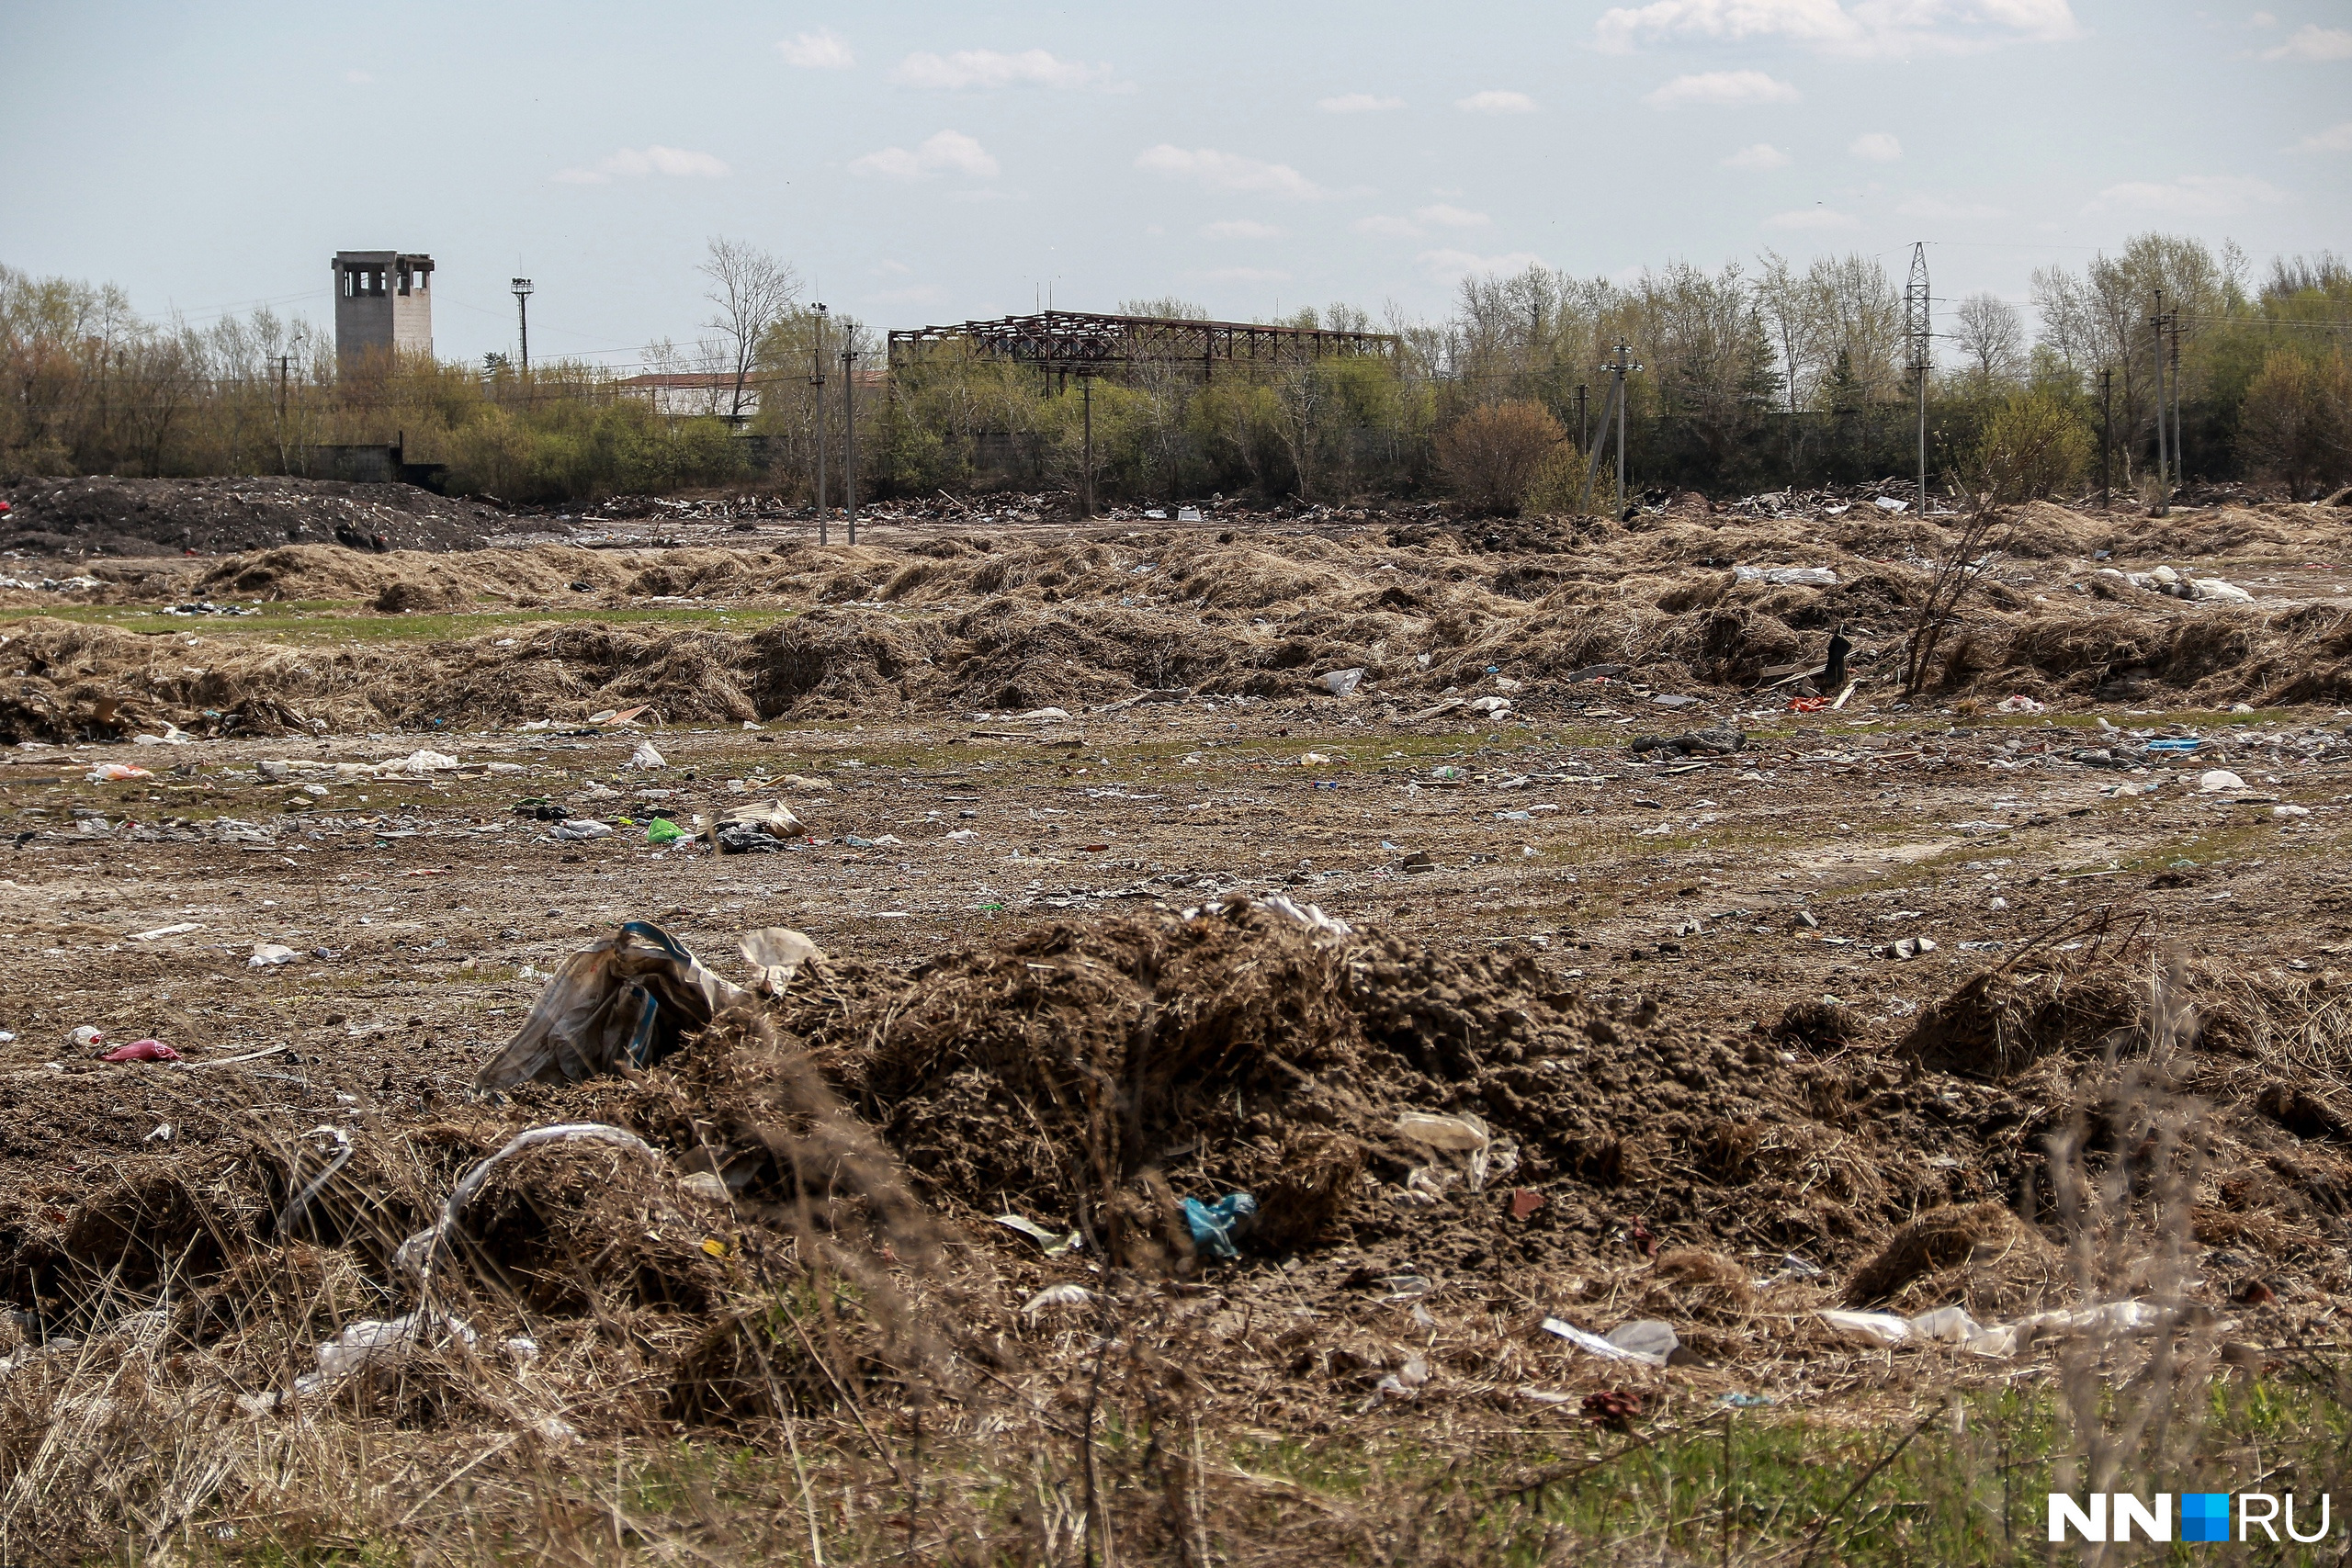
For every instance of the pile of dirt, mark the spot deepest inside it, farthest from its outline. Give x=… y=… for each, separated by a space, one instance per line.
x=1045 y=618
x=101 y=515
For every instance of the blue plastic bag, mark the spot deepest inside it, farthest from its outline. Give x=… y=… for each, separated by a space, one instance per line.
x=1214 y=1226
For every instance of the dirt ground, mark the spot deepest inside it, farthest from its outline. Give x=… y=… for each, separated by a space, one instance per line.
x=1746 y=1014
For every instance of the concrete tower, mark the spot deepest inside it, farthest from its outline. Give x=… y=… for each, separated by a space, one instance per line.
x=383 y=301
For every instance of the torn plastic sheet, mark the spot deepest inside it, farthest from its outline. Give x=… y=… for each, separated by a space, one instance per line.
x=355 y=1349
x=775 y=954
x=1646 y=1340
x=1952 y=1326
x=626 y=999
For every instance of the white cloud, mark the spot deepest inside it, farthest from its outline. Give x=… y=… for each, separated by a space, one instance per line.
x=1496 y=101
x=2312 y=41
x=992 y=68
x=1358 y=103
x=675 y=162
x=2262 y=19
x=1442 y=216
x=1447 y=265
x=824 y=49
x=1227 y=171
x=1723 y=88
x=937 y=155
x=1832 y=27
x=1949 y=211
x=357 y=78
x=889 y=268
x=1813 y=218
x=1246 y=275
x=1878 y=146
x=2334 y=138
x=1394 y=228
x=921 y=294
x=1759 y=156
x=2190 y=196
x=1240 y=229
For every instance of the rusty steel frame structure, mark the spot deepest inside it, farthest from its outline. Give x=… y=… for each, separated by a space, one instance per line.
x=1079 y=343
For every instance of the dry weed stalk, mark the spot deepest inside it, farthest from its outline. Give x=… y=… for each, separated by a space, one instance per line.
x=2124 y=1177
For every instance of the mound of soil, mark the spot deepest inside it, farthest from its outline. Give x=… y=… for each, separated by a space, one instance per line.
x=1999 y=1023
x=104 y=515
x=1084 y=1076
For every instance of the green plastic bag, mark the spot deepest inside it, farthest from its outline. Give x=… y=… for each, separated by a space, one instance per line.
x=661 y=831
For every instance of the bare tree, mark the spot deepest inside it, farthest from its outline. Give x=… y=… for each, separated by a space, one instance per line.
x=753 y=291
x=1990 y=337
x=1780 y=302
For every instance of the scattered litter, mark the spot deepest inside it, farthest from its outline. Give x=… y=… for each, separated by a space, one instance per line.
x=775 y=954
x=1952 y=1326
x=1406 y=1381
x=661 y=831
x=1471 y=1157
x=117 y=772
x=1215 y=1225
x=645 y=756
x=355 y=1349
x=625 y=999
x=268 y=954
x=162 y=931
x=420 y=1253
x=141 y=1051
x=2214 y=781
x=770 y=819
x=1719 y=742
x=1054 y=1246
x=1638 y=1341
x=2019 y=703
x=1341 y=682
x=580 y=828
x=2213 y=590
x=1788 y=575
x=1057 y=1296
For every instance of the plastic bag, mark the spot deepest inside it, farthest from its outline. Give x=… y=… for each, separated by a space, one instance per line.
x=1214 y=1226
x=626 y=999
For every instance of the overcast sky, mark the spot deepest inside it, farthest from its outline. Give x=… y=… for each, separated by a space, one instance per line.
x=930 y=163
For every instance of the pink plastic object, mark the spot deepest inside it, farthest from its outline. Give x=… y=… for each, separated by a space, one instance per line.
x=141 y=1051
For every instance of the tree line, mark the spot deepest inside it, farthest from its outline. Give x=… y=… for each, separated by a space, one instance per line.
x=1753 y=376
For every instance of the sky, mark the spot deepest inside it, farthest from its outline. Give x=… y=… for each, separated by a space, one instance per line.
x=930 y=163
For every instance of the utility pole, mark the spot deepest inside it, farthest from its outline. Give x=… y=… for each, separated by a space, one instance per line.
x=285 y=373
x=2179 y=444
x=522 y=288
x=816 y=379
x=1916 y=327
x=1086 y=397
x=849 y=429
x=1584 y=426
x=2105 y=435
x=2156 y=326
x=1618 y=369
